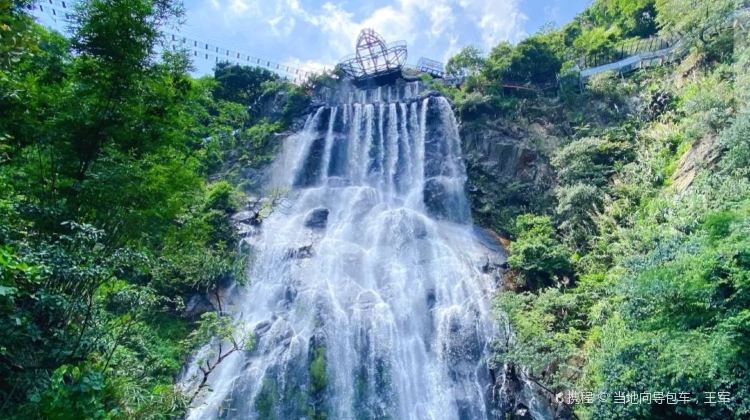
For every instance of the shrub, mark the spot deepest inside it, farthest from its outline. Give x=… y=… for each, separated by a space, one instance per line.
x=576 y=206
x=591 y=160
x=536 y=255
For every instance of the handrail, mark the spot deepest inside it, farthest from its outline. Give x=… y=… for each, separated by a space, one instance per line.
x=647 y=58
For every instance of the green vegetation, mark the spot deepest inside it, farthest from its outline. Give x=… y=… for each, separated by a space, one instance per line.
x=228 y=337
x=108 y=220
x=119 y=173
x=634 y=278
x=318 y=382
x=537 y=257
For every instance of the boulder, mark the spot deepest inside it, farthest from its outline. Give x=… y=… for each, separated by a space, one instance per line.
x=244 y=216
x=302 y=252
x=246 y=231
x=262 y=328
x=317 y=218
x=252 y=203
x=197 y=305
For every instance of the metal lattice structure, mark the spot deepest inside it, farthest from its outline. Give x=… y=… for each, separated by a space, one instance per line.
x=374 y=57
x=431 y=67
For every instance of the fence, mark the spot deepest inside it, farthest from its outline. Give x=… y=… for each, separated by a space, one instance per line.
x=62 y=10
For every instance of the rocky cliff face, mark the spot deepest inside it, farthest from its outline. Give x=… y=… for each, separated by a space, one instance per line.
x=508 y=169
x=509 y=173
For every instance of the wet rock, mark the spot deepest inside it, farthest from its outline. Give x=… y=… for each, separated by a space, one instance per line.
x=317 y=218
x=515 y=395
x=252 y=203
x=489 y=239
x=431 y=298
x=494 y=263
x=522 y=411
x=337 y=182
x=197 y=305
x=247 y=245
x=244 y=216
x=285 y=335
x=445 y=200
x=367 y=300
x=302 y=252
x=262 y=328
x=290 y=293
x=310 y=172
x=246 y=231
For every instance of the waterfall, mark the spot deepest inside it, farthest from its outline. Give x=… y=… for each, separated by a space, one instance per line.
x=367 y=294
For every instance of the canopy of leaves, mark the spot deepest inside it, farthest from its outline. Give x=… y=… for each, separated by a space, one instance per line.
x=536 y=255
x=467 y=61
x=109 y=222
x=661 y=272
x=241 y=84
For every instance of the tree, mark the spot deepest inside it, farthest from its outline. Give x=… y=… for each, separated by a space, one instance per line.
x=467 y=61
x=536 y=59
x=697 y=20
x=241 y=84
x=631 y=17
x=597 y=41
x=536 y=255
x=120 y=86
x=576 y=206
x=225 y=336
x=533 y=60
x=548 y=327
x=16 y=34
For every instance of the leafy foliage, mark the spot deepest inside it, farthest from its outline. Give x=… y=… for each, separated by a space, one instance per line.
x=536 y=255
x=239 y=84
x=109 y=222
x=659 y=298
x=696 y=19
x=468 y=61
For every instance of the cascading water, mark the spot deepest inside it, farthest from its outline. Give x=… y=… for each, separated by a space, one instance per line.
x=367 y=296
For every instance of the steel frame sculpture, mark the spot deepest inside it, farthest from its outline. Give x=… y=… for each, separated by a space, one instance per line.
x=374 y=57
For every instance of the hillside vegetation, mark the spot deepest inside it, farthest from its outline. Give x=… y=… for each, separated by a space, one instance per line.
x=115 y=206
x=632 y=275
x=119 y=173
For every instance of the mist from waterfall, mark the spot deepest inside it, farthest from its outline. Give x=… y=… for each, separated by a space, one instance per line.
x=367 y=294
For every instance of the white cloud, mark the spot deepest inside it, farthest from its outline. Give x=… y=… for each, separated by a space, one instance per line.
x=313 y=65
x=325 y=32
x=391 y=23
x=442 y=19
x=498 y=20
x=238 y=6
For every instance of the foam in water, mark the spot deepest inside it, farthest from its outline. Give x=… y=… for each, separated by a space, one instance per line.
x=366 y=295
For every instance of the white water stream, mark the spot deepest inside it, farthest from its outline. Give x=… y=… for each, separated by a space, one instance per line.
x=367 y=294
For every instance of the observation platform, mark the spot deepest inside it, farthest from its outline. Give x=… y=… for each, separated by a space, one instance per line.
x=377 y=63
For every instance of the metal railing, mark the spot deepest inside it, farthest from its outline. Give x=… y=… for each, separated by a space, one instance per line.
x=197 y=49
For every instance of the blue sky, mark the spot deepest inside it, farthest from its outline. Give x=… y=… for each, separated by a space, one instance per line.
x=316 y=33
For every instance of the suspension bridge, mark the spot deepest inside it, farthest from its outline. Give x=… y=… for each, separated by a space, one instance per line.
x=384 y=59
x=198 y=49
